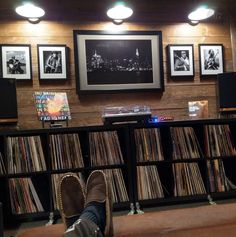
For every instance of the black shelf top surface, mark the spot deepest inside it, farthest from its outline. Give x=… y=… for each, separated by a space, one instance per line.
x=102 y=127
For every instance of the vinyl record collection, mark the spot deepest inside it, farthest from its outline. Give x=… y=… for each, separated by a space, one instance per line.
x=148 y=183
x=185 y=143
x=118 y=188
x=23 y=196
x=148 y=144
x=218 y=141
x=105 y=148
x=65 y=151
x=218 y=180
x=2 y=166
x=187 y=179
x=168 y=162
x=25 y=154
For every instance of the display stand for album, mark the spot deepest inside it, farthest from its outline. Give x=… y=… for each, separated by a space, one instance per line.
x=55 y=123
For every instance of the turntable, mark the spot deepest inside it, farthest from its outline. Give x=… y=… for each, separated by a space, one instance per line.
x=126 y=114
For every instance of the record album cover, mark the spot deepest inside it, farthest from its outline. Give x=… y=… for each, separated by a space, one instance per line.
x=52 y=106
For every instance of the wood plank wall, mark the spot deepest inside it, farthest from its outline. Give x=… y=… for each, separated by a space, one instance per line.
x=233 y=40
x=87 y=109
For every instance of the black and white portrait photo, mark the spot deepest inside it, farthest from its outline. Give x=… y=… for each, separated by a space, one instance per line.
x=16 y=61
x=52 y=61
x=125 y=61
x=211 y=59
x=181 y=61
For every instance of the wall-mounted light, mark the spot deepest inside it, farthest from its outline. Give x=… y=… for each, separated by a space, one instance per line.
x=30 y=11
x=201 y=13
x=119 y=12
x=193 y=23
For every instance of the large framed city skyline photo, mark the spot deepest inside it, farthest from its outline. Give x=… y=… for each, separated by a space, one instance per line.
x=126 y=61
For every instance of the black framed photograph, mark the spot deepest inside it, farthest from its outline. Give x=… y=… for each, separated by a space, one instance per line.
x=126 y=61
x=16 y=61
x=181 y=60
x=52 y=62
x=211 y=59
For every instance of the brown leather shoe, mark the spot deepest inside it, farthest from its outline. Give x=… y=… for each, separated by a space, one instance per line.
x=71 y=198
x=98 y=190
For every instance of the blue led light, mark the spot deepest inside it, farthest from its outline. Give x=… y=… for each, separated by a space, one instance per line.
x=153 y=119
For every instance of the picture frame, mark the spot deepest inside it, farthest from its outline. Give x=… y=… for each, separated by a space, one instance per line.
x=211 y=59
x=16 y=61
x=181 y=60
x=52 y=62
x=112 y=62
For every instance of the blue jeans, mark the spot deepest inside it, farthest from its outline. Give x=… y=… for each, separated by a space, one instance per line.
x=95 y=212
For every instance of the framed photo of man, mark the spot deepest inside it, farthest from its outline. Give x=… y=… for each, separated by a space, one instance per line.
x=180 y=57
x=211 y=59
x=52 y=62
x=16 y=61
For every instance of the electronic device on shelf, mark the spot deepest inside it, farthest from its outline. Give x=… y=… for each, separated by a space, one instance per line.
x=124 y=114
x=157 y=119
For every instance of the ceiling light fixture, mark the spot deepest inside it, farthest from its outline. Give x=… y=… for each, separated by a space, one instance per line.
x=30 y=11
x=193 y=23
x=201 y=13
x=119 y=12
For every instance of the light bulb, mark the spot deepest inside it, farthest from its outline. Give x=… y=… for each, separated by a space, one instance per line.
x=30 y=11
x=119 y=12
x=201 y=13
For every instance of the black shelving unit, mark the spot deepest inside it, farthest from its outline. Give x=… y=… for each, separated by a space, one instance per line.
x=126 y=138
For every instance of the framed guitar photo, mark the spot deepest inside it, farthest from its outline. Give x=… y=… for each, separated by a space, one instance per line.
x=16 y=61
x=52 y=62
x=211 y=59
x=180 y=57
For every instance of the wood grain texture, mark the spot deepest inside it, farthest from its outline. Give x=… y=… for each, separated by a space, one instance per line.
x=87 y=109
x=233 y=41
